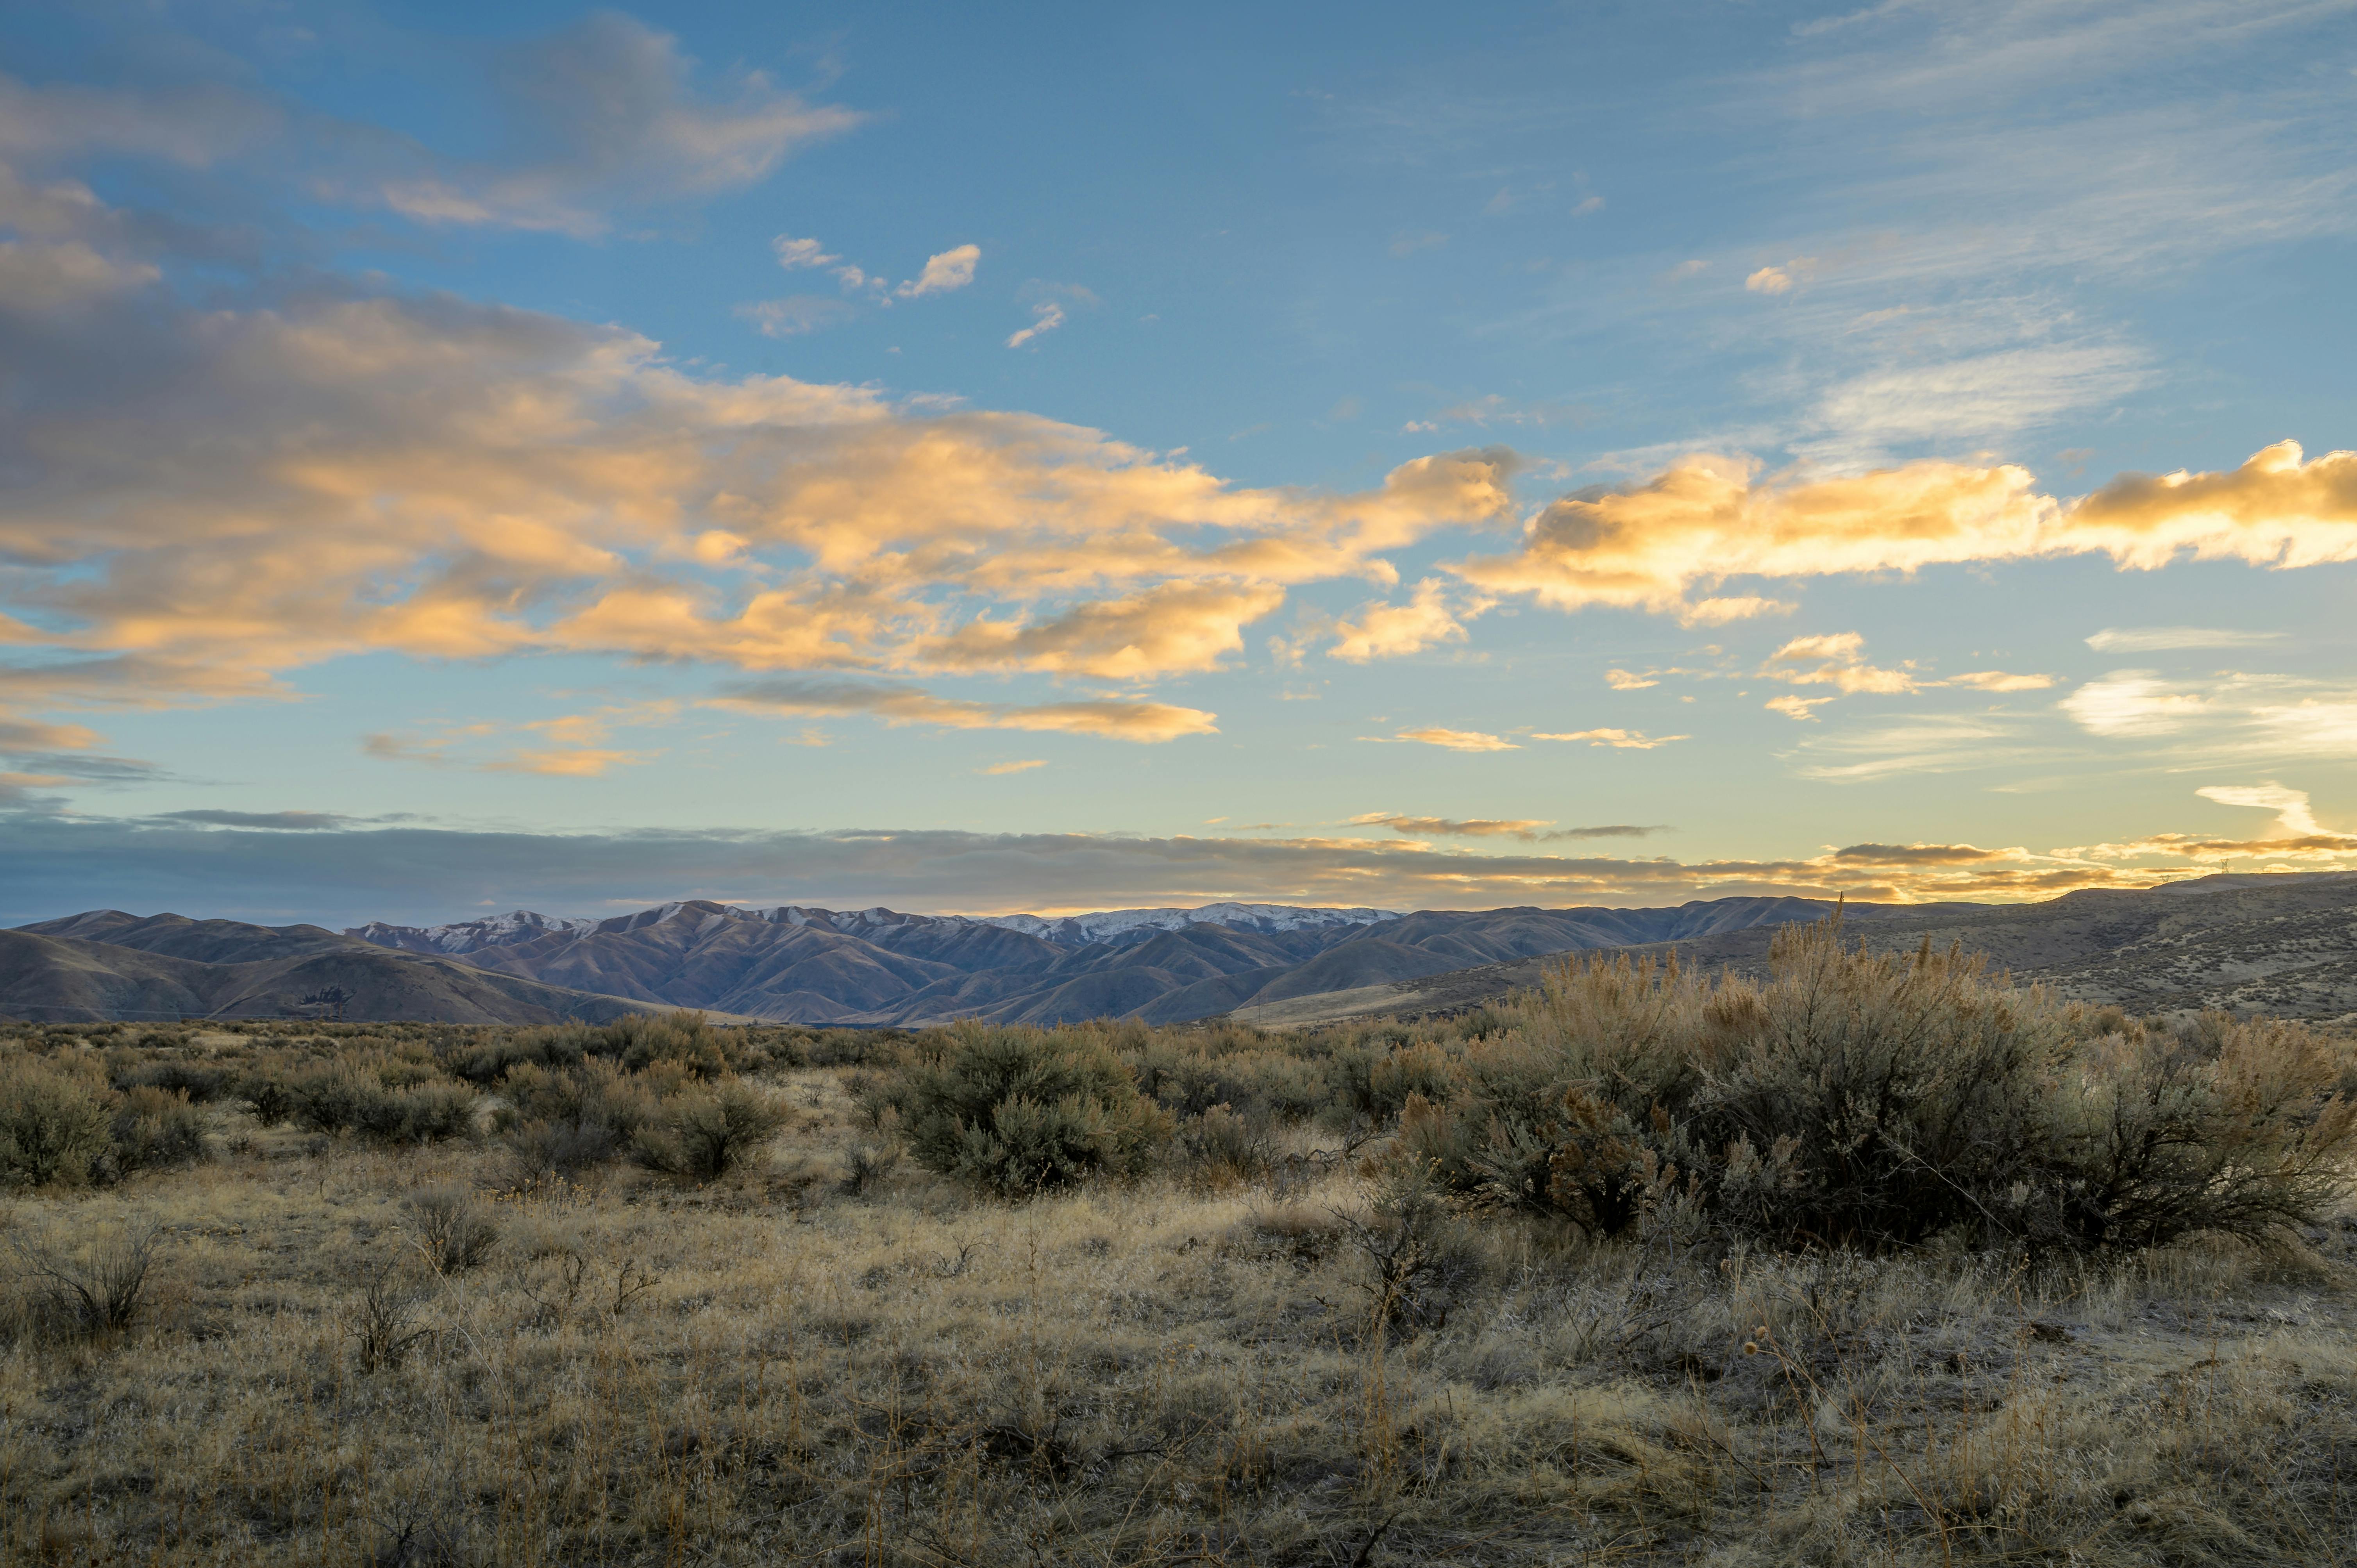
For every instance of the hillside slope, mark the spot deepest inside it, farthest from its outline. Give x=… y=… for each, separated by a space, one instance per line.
x=67 y=980
x=2276 y=943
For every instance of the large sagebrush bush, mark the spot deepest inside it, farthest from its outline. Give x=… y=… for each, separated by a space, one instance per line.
x=706 y=1134
x=1020 y=1110
x=54 y=1126
x=1857 y=1098
x=156 y=1129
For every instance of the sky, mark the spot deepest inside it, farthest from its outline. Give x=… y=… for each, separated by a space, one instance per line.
x=461 y=458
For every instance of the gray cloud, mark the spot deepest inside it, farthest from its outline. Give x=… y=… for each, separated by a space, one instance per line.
x=284 y=821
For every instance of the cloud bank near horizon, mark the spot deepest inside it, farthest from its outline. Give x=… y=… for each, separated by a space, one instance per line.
x=314 y=866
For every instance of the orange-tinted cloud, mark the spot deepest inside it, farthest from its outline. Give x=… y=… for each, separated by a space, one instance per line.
x=1116 y=720
x=1451 y=739
x=1387 y=631
x=1708 y=518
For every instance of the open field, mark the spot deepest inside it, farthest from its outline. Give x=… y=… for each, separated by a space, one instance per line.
x=1257 y=1320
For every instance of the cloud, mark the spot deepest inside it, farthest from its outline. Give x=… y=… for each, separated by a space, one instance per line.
x=1443 y=827
x=1626 y=681
x=1997 y=680
x=1621 y=739
x=1388 y=631
x=1452 y=739
x=1710 y=519
x=599 y=113
x=418 y=875
x=1691 y=267
x=792 y=252
x=1045 y=317
x=2134 y=702
x=1913 y=855
x=1835 y=659
x=205 y=498
x=951 y=270
x=796 y=314
x=1901 y=746
x=1740 y=606
x=1177 y=627
x=1146 y=722
x=2159 y=639
x=2293 y=814
x=1780 y=280
x=280 y=822
x=999 y=769
x=567 y=761
x=1491 y=409
x=1794 y=706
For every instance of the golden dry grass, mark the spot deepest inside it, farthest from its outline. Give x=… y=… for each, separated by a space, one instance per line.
x=772 y=1369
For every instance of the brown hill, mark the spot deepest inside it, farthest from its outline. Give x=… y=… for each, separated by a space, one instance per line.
x=53 y=979
x=2278 y=943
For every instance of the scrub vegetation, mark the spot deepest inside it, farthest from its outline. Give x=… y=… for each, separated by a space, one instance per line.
x=1878 y=1261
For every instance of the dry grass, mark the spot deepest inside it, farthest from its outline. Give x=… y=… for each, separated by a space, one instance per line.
x=827 y=1358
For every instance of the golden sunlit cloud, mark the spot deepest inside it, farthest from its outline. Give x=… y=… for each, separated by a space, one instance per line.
x=1708 y=518
x=1000 y=769
x=1387 y=631
x=1623 y=739
x=1453 y=739
x=1116 y=720
x=1443 y=827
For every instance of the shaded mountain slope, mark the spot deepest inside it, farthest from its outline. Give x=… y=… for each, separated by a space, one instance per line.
x=53 y=979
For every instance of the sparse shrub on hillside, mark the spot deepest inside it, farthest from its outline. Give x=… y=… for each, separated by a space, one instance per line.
x=708 y=1133
x=54 y=1126
x=266 y=1094
x=448 y=1228
x=1021 y=1111
x=1223 y=1146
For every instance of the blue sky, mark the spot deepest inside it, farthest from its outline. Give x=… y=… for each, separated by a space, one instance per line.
x=464 y=457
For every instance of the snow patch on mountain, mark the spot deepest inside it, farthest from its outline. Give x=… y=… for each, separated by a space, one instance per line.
x=1113 y=925
x=471 y=936
x=1099 y=926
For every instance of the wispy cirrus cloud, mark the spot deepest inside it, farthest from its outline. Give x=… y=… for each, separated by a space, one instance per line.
x=1113 y=719
x=1524 y=829
x=1619 y=739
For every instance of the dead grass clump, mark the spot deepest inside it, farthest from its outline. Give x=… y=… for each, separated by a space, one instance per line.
x=98 y=1290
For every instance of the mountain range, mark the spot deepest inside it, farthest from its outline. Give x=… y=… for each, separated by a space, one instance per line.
x=791 y=963
x=2274 y=942
x=2270 y=943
